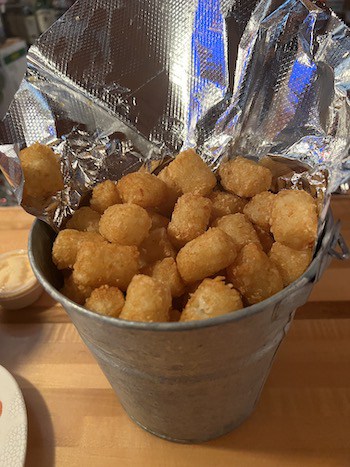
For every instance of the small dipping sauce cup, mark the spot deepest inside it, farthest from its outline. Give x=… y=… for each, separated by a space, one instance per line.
x=19 y=287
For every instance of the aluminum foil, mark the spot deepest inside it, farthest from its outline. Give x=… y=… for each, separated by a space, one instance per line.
x=117 y=83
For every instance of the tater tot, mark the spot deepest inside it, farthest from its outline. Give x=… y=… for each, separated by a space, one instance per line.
x=173 y=191
x=158 y=221
x=156 y=247
x=290 y=263
x=191 y=173
x=141 y=188
x=244 y=177
x=42 y=174
x=224 y=203
x=206 y=255
x=254 y=275
x=166 y=271
x=294 y=219
x=265 y=238
x=76 y=292
x=180 y=302
x=280 y=170
x=67 y=244
x=192 y=287
x=105 y=300
x=212 y=298
x=147 y=300
x=84 y=219
x=239 y=229
x=259 y=209
x=174 y=315
x=125 y=224
x=104 y=195
x=190 y=219
x=103 y=263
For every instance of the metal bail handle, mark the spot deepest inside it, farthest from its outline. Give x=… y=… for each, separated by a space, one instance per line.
x=338 y=248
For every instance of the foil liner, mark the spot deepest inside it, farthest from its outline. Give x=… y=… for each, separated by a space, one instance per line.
x=119 y=83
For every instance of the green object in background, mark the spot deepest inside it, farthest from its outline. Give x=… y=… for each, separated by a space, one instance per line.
x=15 y=56
x=43 y=4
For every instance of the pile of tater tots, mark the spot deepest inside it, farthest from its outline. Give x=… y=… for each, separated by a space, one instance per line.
x=186 y=244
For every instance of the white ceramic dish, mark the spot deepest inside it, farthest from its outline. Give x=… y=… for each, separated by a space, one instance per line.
x=13 y=422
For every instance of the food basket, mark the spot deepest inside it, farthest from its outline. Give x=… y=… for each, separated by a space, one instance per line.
x=119 y=84
x=188 y=382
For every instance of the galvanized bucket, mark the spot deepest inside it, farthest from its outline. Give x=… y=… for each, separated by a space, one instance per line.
x=187 y=382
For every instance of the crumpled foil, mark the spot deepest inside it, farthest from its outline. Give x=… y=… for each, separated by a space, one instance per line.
x=114 y=84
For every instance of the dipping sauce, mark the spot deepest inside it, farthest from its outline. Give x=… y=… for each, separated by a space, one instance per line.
x=18 y=285
x=15 y=273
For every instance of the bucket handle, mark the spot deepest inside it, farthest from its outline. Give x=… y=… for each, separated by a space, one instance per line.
x=338 y=248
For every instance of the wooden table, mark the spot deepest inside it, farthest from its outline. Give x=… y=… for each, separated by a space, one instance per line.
x=303 y=418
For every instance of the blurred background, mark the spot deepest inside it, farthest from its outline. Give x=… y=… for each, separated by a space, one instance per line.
x=23 y=21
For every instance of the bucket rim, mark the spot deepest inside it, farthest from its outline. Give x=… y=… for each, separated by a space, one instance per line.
x=249 y=311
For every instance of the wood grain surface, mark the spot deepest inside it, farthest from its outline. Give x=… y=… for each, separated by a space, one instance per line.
x=303 y=417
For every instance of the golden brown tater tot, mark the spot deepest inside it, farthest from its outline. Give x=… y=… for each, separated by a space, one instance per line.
x=125 y=224
x=244 y=177
x=259 y=209
x=294 y=219
x=190 y=219
x=225 y=203
x=143 y=189
x=147 y=300
x=158 y=221
x=84 y=219
x=166 y=271
x=42 y=174
x=212 y=298
x=104 y=195
x=103 y=263
x=76 y=292
x=239 y=229
x=291 y=263
x=206 y=255
x=191 y=173
x=156 y=247
x=173 y=192
x=254 y=275
x=174 y=315
x=265 y=238
x=107 y=301
x=67 y=244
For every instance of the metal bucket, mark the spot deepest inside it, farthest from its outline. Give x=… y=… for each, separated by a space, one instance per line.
x=187 y=382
